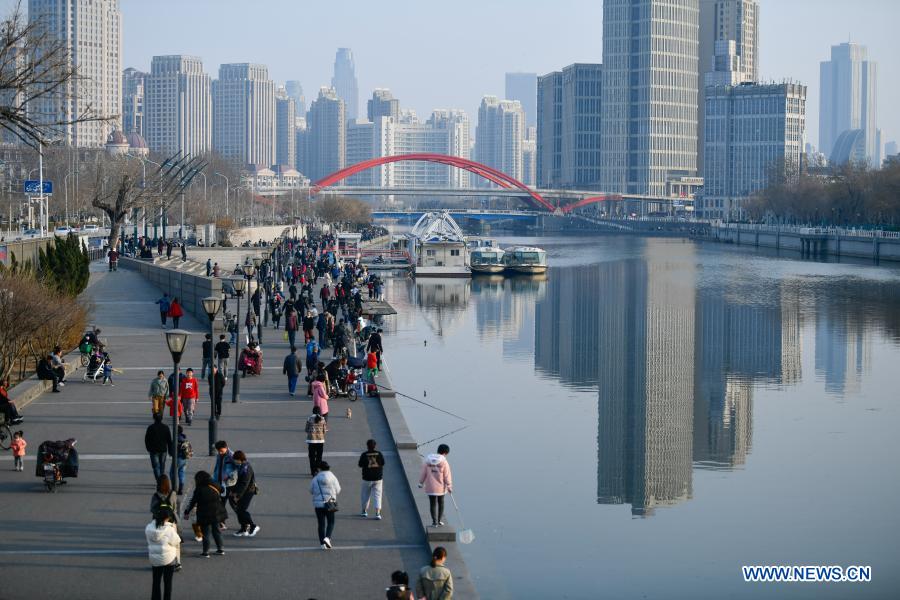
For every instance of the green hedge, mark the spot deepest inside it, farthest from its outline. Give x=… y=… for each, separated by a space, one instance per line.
x=65 y=266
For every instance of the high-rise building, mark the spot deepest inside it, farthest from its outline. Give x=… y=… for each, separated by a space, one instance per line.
x=244 y=114
x=848 y=100
x=649 y=94
x=326 y=141
x=285 y=125
x=295 y=90
x=91 y=31
x=891 y=149
x=752 y=131
x=726 y=20
x=499 y=135
x=529 y=157
x=344 y=82
x=133 y=100
x=301 y=137
x=178 y=106
x=382 y=104
x=568 y=128
x=523 y=87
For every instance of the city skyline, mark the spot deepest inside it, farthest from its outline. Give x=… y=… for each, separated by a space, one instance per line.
x=424 y=87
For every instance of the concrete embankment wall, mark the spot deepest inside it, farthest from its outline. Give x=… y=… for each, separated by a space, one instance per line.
x=817 y=242
x=263 y=232
x=186 y=281
x=226 y=257
x=408 y=451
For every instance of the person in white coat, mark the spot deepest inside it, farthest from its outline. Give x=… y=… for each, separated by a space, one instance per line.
x=324 y=487
x=163 y=542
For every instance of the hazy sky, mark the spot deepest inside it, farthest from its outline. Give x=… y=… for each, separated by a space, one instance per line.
x=448 y=54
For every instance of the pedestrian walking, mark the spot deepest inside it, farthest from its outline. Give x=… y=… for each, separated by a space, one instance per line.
x=316 y=428
x=399 y=589
x=189 y=392
x=163 y=543
x=168 y=250
x=185 y=453
x=218 y=390
x=209 y=267
x=17 y=446
x=372 y=464
x=156 y=440
x=164 y=304
x=210 y=511
x=325 y=488
x=163 y=498
x=320 y=394
x=108 y=372
x=223 y=351
x=242 y=493
x=159 y=389
x=292 y=368
x=437 y=480
x=224 y=473
x=435 y=580
x=312 y=356
x=374 y=345
x=183 y=253
x=176 y=312
x=207 y=348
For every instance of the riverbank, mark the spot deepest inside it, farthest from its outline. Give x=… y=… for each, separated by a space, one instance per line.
x=94 y=525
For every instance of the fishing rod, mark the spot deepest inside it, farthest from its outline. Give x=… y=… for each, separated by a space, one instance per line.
x=442 y=436
x=446 y=412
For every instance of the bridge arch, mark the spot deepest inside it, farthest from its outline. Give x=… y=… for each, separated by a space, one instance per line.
x=591 y=200
x=492 y=175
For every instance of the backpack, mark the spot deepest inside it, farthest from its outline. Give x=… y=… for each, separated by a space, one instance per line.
x=185 y=450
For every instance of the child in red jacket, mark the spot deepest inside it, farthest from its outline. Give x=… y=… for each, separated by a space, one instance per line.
x=18 y=449
x=189 y=392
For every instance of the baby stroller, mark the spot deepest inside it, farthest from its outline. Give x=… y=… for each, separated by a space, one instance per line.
x=56 y=461
x=250 y=362
x=94 y=370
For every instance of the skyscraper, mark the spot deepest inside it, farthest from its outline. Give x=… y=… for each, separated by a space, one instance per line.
x=326 y=139
x=523 y=87
x=726 y=20
x=178 y=106
x=344 y=82
x=649 y=94
x=382 y=104
x=91 y=30
x=499 y=135
x=133 y=100
x=568 y=128
x=295 y=90
x=285 y=126
x=244 y=114
x=847 y=99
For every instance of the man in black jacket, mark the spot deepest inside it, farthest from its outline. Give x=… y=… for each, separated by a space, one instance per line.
x=157 y=441
x=218 y=389
x=207 y=355
x=372 y=464
x=45 y=371
x=223 y=350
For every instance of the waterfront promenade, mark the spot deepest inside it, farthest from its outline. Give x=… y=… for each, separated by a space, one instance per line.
x=87 y=540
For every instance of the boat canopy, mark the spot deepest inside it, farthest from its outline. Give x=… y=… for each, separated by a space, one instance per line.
x=437 y=227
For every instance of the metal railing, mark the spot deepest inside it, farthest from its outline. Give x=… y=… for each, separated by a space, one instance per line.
x=833 y=231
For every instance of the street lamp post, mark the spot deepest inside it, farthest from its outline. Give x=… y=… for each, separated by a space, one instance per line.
x=238 y=283
x=226 y=191
x=211 y=305
x=257 y=261
x=176 y=339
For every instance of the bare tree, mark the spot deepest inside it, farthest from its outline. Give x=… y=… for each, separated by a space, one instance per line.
x=36 y=71
x=119 y=189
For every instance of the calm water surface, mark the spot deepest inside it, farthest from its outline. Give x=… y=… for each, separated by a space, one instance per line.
x=655 y=413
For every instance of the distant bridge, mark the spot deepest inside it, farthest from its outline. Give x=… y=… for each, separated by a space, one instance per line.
x=481 y=215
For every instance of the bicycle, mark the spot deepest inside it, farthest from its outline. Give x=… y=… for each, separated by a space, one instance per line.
x=85 y=350
x=6 y=435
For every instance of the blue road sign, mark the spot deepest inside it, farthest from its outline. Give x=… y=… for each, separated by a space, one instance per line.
x=33 y=186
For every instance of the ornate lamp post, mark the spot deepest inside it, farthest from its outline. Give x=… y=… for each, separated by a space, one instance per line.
x=176 y=339
x=211 y=306
x=257 y=261
x=239 y=284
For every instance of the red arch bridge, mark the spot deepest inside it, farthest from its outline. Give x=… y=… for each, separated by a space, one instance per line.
x=508 y=185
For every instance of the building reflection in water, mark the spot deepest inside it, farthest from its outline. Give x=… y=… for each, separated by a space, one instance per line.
x=674 y=357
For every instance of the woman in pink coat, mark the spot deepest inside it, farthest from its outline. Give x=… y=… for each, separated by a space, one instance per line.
x=437 y=481
x=320 y=395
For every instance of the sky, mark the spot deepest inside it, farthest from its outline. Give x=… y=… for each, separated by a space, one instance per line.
x=449 y=54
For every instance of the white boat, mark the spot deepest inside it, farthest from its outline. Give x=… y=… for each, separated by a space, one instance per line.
x=437 y=247
x=525 y=259
x=486 y=260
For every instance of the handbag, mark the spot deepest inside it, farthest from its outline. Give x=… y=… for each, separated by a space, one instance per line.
x=331 y=504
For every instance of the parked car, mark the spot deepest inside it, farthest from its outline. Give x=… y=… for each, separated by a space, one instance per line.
x=62 y=231
x=90 y=229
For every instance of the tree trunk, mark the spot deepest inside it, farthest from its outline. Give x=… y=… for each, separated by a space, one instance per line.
x=115 y=226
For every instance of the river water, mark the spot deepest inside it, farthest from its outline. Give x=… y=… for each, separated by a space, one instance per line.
x=656 y=413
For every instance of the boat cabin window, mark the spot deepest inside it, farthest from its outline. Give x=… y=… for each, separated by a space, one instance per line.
x=454 y=253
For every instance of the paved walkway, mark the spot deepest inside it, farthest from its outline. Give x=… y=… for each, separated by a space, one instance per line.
x=87 y=540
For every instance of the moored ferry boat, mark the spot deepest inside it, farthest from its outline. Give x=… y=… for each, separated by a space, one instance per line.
x=525 y=259
x=486 y=260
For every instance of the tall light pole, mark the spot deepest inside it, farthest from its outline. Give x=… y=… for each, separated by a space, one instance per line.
x=249 y=271
x=66 y=190
x=211 y=305
x=176 y=339
x=239 y=284
x=257 y=261
x=226 y=191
